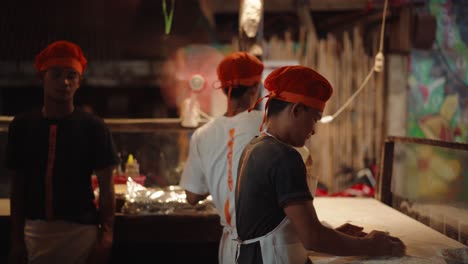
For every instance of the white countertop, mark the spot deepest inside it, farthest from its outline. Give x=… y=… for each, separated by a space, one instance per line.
x=424 y=244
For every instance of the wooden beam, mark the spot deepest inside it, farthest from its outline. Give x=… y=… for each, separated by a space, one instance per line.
x=232 y=6
x=336 y=5
x=348 y=20
x=206 y=7
x=384 y=189
x=400 y=32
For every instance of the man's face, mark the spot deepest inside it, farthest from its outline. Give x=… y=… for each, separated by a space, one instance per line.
x=61 y=83
x=305 y=120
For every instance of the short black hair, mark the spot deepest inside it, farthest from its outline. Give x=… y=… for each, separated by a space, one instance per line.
x=237 y=91
x=41 y=75
x=276 y=106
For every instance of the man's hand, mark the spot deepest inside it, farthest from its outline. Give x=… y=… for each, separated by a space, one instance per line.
x=351 y=230
x=102 y=250
x=193 y=198
x=385 y=245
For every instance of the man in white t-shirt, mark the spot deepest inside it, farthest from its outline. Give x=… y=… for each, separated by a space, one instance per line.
x=215 y=148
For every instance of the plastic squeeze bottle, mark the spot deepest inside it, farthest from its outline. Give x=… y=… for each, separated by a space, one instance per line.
x=132 y=168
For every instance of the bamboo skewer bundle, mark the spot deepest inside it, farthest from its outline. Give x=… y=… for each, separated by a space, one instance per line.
x=330 y=56
x=275 y=50
x=358 y=63
x=288 y=48
x=379 y=123
x=302 y=41
x=327 y=144
x=373 y=107
x=347 y=85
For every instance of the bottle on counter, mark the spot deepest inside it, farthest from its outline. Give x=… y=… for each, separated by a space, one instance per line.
x=132 y=168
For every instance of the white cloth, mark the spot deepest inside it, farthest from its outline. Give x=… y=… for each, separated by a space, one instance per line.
x=206 y=169
x=58 y=241
x=280 y=246
x=227 y=246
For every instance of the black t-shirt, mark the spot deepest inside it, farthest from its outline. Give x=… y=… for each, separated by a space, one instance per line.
x=83 y=144
x=271 y=175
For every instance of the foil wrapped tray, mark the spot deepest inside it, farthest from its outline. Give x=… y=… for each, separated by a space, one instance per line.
x=140 y=200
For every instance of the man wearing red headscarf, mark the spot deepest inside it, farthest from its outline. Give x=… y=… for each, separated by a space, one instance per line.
x=276 y=219
x=215 y=148
x=51 y=154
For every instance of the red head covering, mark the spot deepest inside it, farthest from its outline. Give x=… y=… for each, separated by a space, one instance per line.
x=297 y=84
x=239 y=68
x=61 y=53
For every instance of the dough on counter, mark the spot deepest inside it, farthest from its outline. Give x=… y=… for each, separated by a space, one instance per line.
x=381 y=260
x=455 y=255
x=403 y=260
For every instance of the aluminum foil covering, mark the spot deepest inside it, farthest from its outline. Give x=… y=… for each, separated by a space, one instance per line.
x=141 y=200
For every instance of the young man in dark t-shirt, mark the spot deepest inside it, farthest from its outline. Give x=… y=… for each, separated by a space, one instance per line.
x=269 y=191
x=51 y=155
x=276 y=219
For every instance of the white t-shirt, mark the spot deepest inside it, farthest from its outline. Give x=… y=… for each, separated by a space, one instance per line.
x=215 y=150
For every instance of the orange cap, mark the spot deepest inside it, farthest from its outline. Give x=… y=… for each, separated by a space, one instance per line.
x=297 y=84
x=239 y=68
x=61 y=53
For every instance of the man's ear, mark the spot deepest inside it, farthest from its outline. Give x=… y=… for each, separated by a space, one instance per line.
x=254 y=89
x=295 y=109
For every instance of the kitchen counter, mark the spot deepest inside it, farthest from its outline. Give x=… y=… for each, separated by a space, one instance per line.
x=189 y=226
x=189 y=236
x=181 y=237
x=424 y=244
x=181 y=227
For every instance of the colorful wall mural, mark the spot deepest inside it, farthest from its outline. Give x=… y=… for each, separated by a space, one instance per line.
x=438 y=81
x=432 y=179
x=438 y=102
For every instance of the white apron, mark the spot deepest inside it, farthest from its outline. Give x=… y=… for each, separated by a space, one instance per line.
x=58 y=241
x=280 y=246
x=227 y=246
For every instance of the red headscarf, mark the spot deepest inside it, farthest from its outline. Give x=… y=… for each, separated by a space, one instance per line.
x=297 y=84
x=239 y=68
x=61 y=53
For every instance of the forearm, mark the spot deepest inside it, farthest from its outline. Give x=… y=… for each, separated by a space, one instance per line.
x=106 y=200
x=337 y=243
x=107 y=209
x=317 y=237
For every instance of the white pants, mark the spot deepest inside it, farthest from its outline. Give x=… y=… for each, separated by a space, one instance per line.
x=58 y=241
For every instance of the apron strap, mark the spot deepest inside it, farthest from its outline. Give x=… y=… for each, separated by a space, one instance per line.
x=257 y=239
x=253 y=240
x=246 y=242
